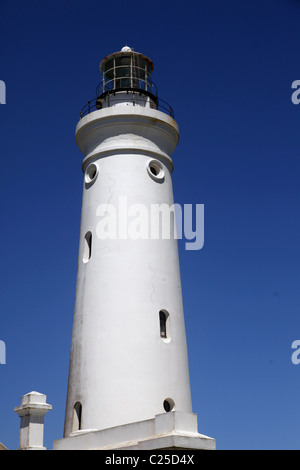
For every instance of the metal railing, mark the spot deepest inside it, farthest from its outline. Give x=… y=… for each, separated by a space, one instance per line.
x=127 y=81
x=132 y=95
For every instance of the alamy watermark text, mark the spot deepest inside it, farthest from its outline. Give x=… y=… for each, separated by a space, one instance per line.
x=2 y=352
x=157 y=221
x=296 y=94
x=2 y=92
x=296 y=354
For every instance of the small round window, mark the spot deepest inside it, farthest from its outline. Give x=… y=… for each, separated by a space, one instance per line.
x=155 y=170
x=168 y=405
x=91 y=173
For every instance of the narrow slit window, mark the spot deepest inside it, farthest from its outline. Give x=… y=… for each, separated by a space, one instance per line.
x=164 y=326
x=87 y=250
x=77 y=412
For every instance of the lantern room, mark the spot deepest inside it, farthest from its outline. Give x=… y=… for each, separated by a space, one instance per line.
x=127 y=69
x=126 y=79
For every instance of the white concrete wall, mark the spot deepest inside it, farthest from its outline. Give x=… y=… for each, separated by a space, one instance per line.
x=121 y=98
x=121 y=370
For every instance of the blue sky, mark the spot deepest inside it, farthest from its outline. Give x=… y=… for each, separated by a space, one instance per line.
x=226 y=68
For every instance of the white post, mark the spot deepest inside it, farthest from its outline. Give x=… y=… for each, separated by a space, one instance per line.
x=32 y=411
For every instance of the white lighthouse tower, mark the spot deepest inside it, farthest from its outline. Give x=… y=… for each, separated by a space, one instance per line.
x=129 y=382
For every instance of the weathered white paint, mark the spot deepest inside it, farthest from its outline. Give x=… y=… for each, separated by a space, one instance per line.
x=165 y=431
x=121 y=369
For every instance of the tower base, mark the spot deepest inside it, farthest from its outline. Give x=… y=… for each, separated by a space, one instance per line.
x=173 y=430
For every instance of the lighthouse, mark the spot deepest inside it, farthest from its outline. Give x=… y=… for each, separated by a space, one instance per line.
x=128 y=384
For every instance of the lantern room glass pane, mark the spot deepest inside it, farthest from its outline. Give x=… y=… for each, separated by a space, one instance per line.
x=127 y=71
x=123 y=72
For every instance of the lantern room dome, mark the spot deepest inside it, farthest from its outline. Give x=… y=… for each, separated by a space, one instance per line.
x=126 y=49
